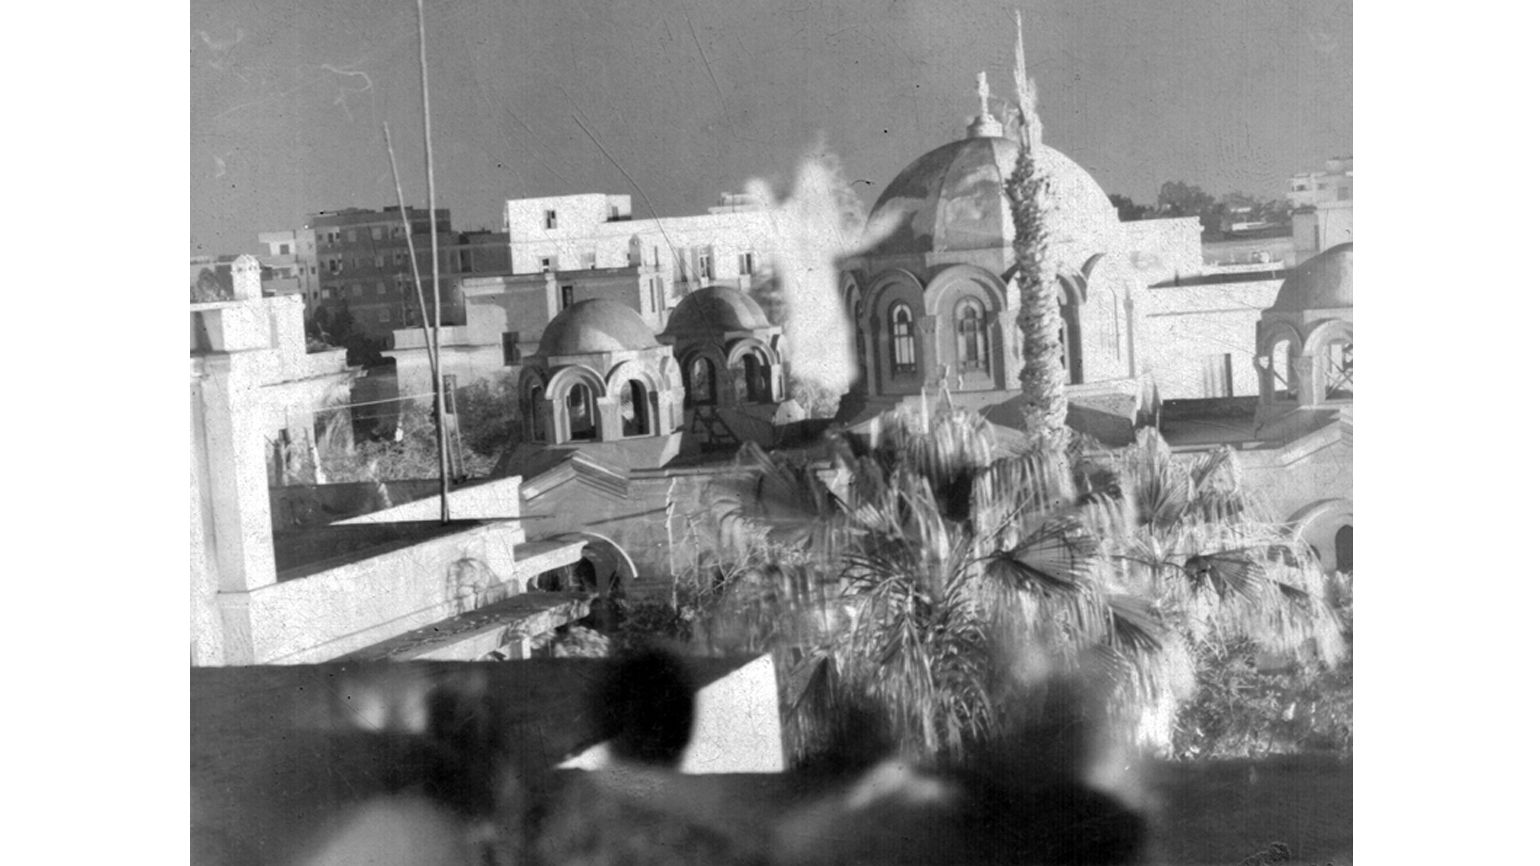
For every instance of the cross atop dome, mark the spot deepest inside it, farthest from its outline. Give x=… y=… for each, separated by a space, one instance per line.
x=985 y=125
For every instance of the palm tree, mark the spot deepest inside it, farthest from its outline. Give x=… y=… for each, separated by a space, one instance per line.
x=1042 y=372
x=938 y=583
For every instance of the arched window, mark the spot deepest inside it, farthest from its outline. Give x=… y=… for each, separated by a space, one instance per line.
x=703 y=382
x=972 y=351
x=581 y=423
x=902 y=326
x=633 y=409
x=753 y=379
x=532 y=426
x=1070 y=354
x=1337 y=361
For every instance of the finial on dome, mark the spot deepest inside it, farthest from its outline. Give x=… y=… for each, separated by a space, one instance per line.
x=985 y=125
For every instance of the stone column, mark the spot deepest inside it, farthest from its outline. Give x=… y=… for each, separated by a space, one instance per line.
x=929 y=349
x=1263 y=365
x=1309 y=382
x=235 y=448
x=607 y=412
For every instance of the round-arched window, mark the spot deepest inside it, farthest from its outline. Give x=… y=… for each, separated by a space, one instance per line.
x=633 y=409
x=972 y=353
x=901 y=323
x=702 y=389
x=581 y=422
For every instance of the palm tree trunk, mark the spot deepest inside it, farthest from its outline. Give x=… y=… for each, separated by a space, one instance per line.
x=1042 y=372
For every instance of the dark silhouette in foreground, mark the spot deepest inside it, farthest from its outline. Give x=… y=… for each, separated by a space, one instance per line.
x=463 y=793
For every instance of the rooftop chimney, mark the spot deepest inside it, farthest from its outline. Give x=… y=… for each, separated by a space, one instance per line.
x=246 y=276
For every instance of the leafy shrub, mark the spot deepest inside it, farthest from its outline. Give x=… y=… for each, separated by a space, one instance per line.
x=1242 y=711
x=488 y=412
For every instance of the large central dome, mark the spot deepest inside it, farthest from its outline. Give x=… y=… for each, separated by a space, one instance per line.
x=953 y=199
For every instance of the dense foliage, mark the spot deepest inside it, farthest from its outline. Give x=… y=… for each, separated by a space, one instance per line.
x=486 y=422
x=1245 y=709
x=939 y=584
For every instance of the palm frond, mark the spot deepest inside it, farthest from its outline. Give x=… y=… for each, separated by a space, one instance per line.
x=1137 y=625
x=1226 y=573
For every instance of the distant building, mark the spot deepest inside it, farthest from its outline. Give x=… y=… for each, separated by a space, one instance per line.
x=670 y=256
x=1294 y=442
x=210 y=278
x=365 y=267
x=563 y=250
x=289 y=266
x=1313 y=188
x=1323 y=226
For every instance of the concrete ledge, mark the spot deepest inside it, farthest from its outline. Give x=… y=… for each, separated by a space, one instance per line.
x=500 y=626
x=537 y=557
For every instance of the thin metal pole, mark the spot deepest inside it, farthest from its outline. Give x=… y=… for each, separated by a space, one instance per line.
x=411 y=251
x=438 y=382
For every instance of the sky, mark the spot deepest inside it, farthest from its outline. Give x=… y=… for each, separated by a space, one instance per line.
x=677 y=101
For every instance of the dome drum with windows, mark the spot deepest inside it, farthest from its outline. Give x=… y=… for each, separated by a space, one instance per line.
x=600 y=376
x=935 y=298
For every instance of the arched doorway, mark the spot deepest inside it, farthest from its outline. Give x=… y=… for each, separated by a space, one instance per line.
x=1343 y=542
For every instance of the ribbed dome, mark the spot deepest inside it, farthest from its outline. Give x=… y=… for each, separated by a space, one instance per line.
x=714 y=310
x=1322 y=283
x=953 y=198
x=593 y=326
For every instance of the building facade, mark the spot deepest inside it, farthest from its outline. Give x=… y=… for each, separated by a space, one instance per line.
x=1313 y=188
x=564 y=250
x=671 y=256
x=365 y=267
x=289 y=265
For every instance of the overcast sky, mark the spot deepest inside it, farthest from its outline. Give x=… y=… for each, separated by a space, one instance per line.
x=692 y=98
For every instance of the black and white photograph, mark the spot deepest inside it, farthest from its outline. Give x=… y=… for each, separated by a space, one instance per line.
x=778 y=432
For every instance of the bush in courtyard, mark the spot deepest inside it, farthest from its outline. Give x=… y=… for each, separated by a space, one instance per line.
x=1241 y=710
x=488 y=410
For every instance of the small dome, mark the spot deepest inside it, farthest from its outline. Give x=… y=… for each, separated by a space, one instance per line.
x=595 y=326
x=953 y=198
x=1322 y=283
x=715 y=310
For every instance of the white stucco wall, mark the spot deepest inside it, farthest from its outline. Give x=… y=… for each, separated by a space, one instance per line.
x=584 y=228
x=358 y=603
x=737 y=727
x=1188 y=331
